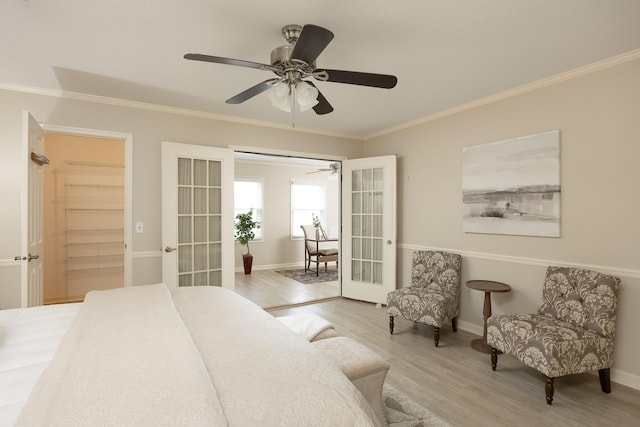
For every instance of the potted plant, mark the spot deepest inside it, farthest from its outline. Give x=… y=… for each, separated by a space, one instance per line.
x=244 y=234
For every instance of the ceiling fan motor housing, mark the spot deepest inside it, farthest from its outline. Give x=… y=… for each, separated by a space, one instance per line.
x=281 y=55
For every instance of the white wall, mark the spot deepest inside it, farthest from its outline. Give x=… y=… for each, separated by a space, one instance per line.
x=598 y=118
x=148 y=127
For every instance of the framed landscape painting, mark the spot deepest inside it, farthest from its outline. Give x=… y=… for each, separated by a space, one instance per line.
x=513 y=186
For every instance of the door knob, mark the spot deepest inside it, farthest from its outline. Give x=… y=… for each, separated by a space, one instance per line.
x=32 y=257
x=169 y=249
x=388 y=242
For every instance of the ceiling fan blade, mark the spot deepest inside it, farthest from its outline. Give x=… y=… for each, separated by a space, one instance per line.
x=385 y=81
x=228 y=61
x=252 y=91
x=323 y=106
x=312 y=41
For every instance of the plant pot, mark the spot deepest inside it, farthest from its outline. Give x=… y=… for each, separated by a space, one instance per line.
x=247 y=262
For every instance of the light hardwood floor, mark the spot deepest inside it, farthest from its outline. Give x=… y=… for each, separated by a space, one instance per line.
x=269 y=289
x=457 y=383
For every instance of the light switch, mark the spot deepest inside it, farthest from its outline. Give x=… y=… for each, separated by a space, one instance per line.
x=139 y=227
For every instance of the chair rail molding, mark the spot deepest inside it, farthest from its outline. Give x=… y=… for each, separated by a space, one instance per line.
x=614 y=271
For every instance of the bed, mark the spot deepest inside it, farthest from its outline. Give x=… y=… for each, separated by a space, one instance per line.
x=150 y=355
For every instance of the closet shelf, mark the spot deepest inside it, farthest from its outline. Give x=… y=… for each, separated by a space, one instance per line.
x=94 y=164
x=96 y=243
x=95 y=256
x=77 y=270
x=118 y=187
x=93 y=229
x=94 y=209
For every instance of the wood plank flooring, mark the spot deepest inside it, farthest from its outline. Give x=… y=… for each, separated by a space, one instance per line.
x=456 y=382
x=270 y=289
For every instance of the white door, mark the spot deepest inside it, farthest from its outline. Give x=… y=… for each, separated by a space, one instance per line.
x=197 y=216
x=369 y=228
x=32 y=223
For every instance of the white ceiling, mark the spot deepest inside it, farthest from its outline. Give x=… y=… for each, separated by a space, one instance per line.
x=444 y=52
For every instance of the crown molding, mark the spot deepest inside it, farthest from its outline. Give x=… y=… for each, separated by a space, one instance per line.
x=76 y=96
x=519 y=90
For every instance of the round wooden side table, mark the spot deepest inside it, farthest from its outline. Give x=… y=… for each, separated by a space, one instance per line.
x=486 y=286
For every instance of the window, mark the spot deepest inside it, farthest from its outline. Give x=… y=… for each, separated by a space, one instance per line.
x=247 y=194
x=307 y=198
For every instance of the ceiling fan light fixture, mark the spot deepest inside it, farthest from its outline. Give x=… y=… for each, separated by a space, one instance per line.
x=306 y=96
x=279 y=95
x=282 y=93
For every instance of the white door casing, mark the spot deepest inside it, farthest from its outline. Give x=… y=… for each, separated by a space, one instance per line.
x=32 y=222
x=193 y=201
x=369 y=228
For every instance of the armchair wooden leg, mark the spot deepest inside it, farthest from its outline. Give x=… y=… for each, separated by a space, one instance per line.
x=548 y=389
x=605 y=379
x=391 y=325
x=454 y=324
x=436 y=335
x=494 y=358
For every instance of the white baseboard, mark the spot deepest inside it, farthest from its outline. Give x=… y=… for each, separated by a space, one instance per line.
x=273 y=266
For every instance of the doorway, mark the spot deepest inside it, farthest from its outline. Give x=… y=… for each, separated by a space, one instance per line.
x=84 y=215
x=291 y=189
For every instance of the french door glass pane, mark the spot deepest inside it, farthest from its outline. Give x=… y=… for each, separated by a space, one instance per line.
x=215 y=278
x=366 y=222
x=199 y=222
x=215 y=201
x=215 y=256
x=184 y=258
x=185 y=280
x=377 y=250
x=215 y=173
x=200 y=258
x=184 y=171
x=201 y=279
x=215 y=228
x=376 y=273
x=199 y=172
x=200 y=229
x=184 y=229
x=200 y=200
x=184 y=200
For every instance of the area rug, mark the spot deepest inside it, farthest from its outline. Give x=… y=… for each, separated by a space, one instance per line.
x=310 y=277
x=403 y=412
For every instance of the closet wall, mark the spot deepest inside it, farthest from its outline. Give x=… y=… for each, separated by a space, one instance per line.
x=83 y=216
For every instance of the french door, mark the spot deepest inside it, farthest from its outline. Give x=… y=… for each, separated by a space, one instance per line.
x=197 y=216
x=369 y=228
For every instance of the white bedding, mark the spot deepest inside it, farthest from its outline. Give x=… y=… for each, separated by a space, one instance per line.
x=261 y=372
x=28 y=341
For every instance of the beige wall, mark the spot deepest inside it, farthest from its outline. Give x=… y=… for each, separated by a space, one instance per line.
x=598 y=118
x=277 y=249
x=597 y=115
x=148 y=128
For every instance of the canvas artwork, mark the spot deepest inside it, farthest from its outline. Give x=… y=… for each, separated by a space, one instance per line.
x=513 y=186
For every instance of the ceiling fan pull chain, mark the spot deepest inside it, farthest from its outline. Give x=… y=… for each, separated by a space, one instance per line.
x=293 y=104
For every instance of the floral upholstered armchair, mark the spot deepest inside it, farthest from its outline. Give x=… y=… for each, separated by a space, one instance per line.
x=434 y=295
x=571 y=333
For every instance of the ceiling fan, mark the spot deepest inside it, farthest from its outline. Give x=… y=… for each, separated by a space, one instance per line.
x=333 y=168
x=293 y=64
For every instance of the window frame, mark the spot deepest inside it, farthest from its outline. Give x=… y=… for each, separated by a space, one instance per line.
x=258 y=213
x=296 y=232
